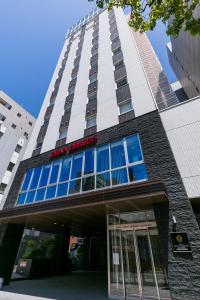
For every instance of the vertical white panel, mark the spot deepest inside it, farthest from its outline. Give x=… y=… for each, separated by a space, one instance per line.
x=52 y=134
x=141 y=96
x=107 y=109
x=182 y=124
x=40 y=119
x=77 y=121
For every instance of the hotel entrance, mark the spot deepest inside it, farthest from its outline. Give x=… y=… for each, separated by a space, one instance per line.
x=136 y=269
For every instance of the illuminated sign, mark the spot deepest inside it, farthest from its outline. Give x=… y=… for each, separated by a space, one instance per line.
x=78 y=145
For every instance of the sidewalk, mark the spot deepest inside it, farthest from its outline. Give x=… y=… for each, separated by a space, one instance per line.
x=75 y=286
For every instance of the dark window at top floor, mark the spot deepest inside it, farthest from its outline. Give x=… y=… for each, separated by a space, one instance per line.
x=122 y=82
x=119 y=65
x=30 y=123
x=18 y=148
x=13 y=126
x=19 y=115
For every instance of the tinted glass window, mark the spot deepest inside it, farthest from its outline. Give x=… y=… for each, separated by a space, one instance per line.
x=27 y=180
x=89 y=161
x=125 y=107
x=121 y=83
x=117 y=154
x=88 y=183
x=103 y=180
x=21 y=198
x=102 y=158
x=119 y=176
x=30 y=197
x=54 y=172
x=40 y=194
x=65 y=169
x=133 y=148
x=75 y=186
x=35 y=178
x=51 y=191
x=45 y=175
x=62 y=189
x=77 y=166
x=137 y=172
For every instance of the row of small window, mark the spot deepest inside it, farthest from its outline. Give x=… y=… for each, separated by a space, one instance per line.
x=103 y=180
x=118 y=154
x=124 y=107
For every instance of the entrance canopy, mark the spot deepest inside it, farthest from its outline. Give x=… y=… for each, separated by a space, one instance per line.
x=86 y=209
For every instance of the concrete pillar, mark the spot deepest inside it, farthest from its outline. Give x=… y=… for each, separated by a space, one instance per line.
x=10 y=238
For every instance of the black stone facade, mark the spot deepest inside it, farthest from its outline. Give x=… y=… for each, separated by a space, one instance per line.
x=183 y=270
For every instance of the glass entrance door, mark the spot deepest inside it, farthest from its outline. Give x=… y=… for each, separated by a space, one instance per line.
x=136 y=268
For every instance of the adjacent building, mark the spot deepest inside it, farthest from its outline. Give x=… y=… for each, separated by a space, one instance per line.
x=183 y=54
x=99 y=167
x=16 y=126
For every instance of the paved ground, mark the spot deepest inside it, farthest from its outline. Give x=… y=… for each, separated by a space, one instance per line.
x=76 y=286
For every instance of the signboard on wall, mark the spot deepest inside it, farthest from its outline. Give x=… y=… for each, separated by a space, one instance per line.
x=180 y=242
x=78 y=145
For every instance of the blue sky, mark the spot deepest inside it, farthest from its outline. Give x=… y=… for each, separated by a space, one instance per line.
x=32 y=34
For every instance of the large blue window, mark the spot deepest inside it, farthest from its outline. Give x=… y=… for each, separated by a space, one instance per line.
x=51 y=191
x=27 y=180
x=89 y=161
x=133 y=148
x=117 y=154
x=30 y=197
x=45 y=175
x=65 y=169
x=103 y=158
x=77 y=166
x=54 y=172
x=40 y=194
x=35 y=178
x=119 y=176
x=120 y=162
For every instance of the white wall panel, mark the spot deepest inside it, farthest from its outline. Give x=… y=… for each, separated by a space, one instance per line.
x=182 y=124
x=77 y=121
x=52 y=134
x=40 y=119
x=107 y=109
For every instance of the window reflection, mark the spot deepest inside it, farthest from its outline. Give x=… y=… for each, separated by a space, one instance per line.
x=45 y=176
x=21 y=199
x=117 y=154
x=65 y=169
x=75 y=186
x=27 y=180
x=40 y=194
x=103 y=180
x=35 y=178
x=54 y=172
x=89 y=161
x=103 y=158
x=62 y=189
x=77 y=166
x=88 y=183
x=51 y=190
x=119 y=176
x=137 y=172
x=30 y=197
x=133 y=148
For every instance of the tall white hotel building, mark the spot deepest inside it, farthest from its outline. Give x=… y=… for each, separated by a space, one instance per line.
x=99 y=167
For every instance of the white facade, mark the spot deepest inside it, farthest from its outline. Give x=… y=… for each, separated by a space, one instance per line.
x=16 y=126
x=107 y=107
x=182 y=125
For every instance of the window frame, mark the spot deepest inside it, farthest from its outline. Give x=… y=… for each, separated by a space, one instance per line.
x=82 y=175
x=123 y=103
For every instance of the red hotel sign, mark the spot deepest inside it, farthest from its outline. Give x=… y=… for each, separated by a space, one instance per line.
x=66 y=150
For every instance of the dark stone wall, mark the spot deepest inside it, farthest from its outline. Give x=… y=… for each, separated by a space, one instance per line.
x=183 y=270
